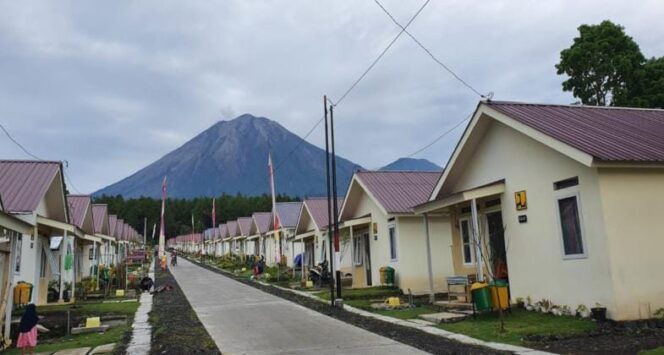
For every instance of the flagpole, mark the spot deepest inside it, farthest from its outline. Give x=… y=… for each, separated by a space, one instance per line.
x=162 y=235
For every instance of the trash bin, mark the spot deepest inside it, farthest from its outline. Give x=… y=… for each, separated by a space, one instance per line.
x=386 y=276
x=481 y=296
x=499 y=297
x=22 y=293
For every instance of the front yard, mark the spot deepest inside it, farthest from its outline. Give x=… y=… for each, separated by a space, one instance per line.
x=55 y=319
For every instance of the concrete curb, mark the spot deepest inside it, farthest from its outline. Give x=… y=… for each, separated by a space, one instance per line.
x=426 y=328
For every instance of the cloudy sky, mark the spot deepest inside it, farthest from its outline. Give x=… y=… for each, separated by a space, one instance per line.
x=112 y=86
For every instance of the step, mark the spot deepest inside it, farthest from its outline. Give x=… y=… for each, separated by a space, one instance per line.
x=443 y=317
x=449 y=305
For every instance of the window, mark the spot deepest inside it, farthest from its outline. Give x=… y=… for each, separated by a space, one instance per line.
x=42 y=270
x=358 y=251
x=570 y=226
x=466 y=242
x=392 y=231
x=19 y=248
x=323 y=255
x=563 y=184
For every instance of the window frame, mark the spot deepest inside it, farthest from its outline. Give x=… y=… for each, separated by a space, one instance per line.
x=470 y=242
x=18 y=251
x=393 y=240
x=565 y=193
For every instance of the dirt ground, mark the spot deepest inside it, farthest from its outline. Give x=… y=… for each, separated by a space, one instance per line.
x=608 y=339
x=413 y=337
x=175 y=326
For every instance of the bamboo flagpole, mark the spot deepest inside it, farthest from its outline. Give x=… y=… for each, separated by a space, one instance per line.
x=162 y=235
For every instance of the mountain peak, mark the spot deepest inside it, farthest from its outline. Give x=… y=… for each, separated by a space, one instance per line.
x=411 y=164
x=231 y=157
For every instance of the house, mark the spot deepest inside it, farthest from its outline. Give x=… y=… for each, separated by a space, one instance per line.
x=568 y=200
x=277 y=240
x=11 y=230
x=382 y=230
x=86 y=255
x=244 y=231
x=311 y=234
x=112 y=223
x=102 y=231
x=221 y=247
x=34 y=192
x=262 y=224
x=232 y=232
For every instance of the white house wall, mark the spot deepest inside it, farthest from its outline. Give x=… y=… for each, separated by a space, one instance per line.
x=534 y=249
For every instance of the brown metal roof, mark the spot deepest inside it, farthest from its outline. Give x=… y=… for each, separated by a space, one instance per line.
x=231 y=227
x=288 y=213
x=263 y=221
x=399 y=191
x=318 y=209
x=244 y=223
x=119 y=229
x=112 y=222
x=606 y=133
x=99 y=213
x=78 y=205
x=23 y=183
x=223 y=231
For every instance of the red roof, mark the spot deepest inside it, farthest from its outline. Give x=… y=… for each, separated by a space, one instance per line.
x=318 y=209
x=223 y=231
x=399 y=191
x=112 y=222
x=606 y=133
x=78 y=205
x=119 y=229
x=244 y=223
x=23 y=183
x=263 y=221
x=99 y=212
x=231 y=227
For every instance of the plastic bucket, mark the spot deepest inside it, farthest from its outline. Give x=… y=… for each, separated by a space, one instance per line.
x=481 y=296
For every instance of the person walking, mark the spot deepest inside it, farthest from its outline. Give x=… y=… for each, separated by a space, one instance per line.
x=27 y=337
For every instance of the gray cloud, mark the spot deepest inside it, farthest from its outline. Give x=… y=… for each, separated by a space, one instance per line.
x=110 y=87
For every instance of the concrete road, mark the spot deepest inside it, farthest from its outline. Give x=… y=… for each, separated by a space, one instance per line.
x=245 y=320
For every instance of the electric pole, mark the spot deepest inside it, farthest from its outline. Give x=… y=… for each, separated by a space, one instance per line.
x=329 y=201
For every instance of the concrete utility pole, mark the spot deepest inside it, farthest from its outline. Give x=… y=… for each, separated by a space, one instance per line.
x=329 y=201
x=335 y=211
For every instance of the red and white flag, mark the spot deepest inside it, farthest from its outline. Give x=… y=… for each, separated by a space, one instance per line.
x=275 y=218
x=214 y=214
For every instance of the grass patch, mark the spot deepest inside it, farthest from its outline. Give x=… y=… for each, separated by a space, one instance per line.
x=363 y=293
x=656 y=351
x=84 y=309
x=92 y=309
x=519 y=324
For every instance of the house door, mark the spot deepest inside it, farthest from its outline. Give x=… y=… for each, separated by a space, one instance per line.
x=498 y=252
x=367 y=257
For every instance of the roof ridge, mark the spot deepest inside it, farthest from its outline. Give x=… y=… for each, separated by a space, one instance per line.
x=573 y=106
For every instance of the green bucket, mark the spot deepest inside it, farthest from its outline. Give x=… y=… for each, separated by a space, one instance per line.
x=481 y=297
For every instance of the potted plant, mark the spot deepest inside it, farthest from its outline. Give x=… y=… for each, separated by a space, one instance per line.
x=529 y=304
x=520 y=302
x=66 y=293
x=582 y=311
x=598 y=312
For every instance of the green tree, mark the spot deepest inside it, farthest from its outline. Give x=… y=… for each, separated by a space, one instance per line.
x=601 y=64
x=647 y=90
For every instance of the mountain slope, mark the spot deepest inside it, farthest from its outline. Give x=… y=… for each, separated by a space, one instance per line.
x=411 y=164
x=231 y=157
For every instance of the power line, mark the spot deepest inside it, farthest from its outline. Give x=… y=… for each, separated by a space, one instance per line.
x=448 y=69
x=373 y=64
x=348 y=91
x=17 y=143
x=38 y=158
x=425 y=147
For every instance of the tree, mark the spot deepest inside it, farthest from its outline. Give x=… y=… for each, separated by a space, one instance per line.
x=647 y=90
x=601 y=64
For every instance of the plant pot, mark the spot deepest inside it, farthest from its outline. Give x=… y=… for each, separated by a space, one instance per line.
x=66 y=296
x=598 y=313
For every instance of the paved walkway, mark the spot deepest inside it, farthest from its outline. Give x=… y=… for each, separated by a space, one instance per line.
x=245 y=320
x=142 y=333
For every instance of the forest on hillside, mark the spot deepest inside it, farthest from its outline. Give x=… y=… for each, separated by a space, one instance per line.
x=179 y=212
